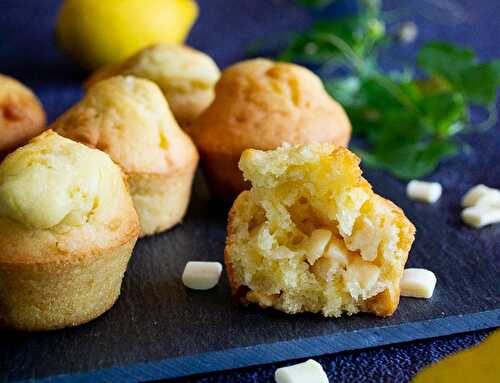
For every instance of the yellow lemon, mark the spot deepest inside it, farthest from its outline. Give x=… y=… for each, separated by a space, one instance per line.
x=477 y=364
x=98 y=32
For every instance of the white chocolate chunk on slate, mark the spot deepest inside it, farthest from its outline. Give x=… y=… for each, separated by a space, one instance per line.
x=428 y=192
x=481 y=195
x=481 y=215
x=316 y=244
x=201 y=275
x=418 y=283
x=474 y=194
x=307 y=372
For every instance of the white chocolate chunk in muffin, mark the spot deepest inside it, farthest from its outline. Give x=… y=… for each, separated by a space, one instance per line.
x=316 y=244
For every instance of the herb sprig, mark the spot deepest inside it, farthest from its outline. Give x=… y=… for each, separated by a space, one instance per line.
x=314 y=3
x=409 y=123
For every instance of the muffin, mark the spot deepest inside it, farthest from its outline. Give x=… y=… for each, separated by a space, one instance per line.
x=186 y=76
x=128 y=118
x=260 y=104
x=311 y=235
x=67 y=231
x=21 y=115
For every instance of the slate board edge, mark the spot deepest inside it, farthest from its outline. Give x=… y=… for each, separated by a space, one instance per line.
x=281 y=351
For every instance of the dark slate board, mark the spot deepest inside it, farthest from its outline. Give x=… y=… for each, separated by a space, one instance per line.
x=158 y=329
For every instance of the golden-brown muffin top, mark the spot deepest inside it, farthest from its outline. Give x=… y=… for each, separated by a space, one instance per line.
x=174 y=67
x=263 y=104
x=185 y=75
x=128 y=118
x=21 y=115
x=56 y=193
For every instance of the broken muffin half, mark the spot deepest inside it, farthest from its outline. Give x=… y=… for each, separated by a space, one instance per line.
x=311 y=235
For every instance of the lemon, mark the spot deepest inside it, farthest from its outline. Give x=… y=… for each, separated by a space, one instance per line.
x=477 y=364
x=98 y=32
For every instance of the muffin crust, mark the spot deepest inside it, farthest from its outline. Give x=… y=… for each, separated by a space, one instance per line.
x=67 y=231
x=185 y=75
x=260 y=104
x=21 y=115
x=128 y=118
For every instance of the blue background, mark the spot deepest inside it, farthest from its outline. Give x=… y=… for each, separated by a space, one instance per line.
x=225 y=28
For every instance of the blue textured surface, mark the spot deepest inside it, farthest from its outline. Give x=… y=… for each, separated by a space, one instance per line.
x=388 y=364
x=28 y=52
x=290 y=350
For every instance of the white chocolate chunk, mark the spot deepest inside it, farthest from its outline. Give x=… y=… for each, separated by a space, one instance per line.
x=365 y=238
x=481 y=195
x=336 y=257
x=338 y=253
x=417 y=283
x=325 y=268
x=264 y=238
x=361 y=277
x=352 y=202
x=307 y=372
x=201 y=275
x=428 y=192
x=282 y=252
x=481 y=215
x=316 y=244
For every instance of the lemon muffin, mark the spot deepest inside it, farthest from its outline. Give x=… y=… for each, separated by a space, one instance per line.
x=260 y=104
x=128 y=118
x=185 y=75
x=311 y=235
x=21 y=115
x=67 y=230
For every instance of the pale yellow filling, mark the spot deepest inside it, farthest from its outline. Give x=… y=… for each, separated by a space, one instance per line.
x=54 y=180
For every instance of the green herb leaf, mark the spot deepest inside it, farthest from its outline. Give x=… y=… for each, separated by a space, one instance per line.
x=384 y=110
x=408 y=125
x=433 y=85
x=479 y=83
x=344 y=90
x=338 y=40
x=314 y=3
x=444 y=113
x=399 y=121
x=410 y=161
x=445 y=60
